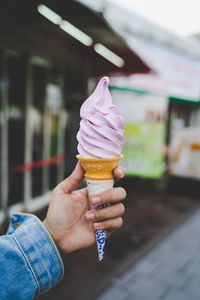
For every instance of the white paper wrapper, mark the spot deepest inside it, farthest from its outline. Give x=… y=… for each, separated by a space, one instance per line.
x=95 y=187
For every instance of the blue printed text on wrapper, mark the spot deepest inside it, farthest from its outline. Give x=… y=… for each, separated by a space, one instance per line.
x=100 y=237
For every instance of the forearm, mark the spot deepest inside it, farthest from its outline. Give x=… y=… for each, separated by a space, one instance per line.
x=29 y=260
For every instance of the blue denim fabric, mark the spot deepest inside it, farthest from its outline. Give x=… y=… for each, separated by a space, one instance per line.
x=30 y=263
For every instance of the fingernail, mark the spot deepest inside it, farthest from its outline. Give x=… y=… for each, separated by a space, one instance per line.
x=90 y=215
x=121 y=172
x=96 y=200
x=98 y=225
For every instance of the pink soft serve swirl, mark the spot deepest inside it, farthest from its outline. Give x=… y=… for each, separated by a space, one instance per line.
x=102 y=126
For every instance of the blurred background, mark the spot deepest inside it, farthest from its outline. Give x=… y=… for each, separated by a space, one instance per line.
x=52 y=54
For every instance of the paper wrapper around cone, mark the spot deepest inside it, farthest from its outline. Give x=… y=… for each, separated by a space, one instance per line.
x=99 y=175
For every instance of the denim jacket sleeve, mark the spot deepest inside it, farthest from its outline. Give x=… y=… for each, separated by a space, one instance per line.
x=30 y=263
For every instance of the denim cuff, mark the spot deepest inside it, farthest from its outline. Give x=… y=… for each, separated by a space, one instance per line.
x=39 y=250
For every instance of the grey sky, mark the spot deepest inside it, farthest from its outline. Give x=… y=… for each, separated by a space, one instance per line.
x=178 y=16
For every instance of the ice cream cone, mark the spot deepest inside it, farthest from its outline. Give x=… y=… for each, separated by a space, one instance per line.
x=99 y=175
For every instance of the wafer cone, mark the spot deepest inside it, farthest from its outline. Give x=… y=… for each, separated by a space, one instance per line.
x=99 y=176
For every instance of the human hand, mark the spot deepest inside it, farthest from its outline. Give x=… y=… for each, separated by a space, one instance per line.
x=69 y=219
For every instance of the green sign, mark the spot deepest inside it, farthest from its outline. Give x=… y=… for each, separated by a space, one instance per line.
x=145 y=132
x=143 y=149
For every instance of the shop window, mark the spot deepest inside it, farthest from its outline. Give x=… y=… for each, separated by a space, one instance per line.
x=54 y=109
x=46 y=129
x=1 y=123
x=195 y=117
x=16 y=127
x=35 y=128
x=184 y=115
x=37 y=121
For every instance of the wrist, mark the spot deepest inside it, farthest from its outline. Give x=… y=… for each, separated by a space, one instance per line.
x=48 y=228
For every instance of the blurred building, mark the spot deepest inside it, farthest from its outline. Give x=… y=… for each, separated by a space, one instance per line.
x=175 y=62
x=48 y=52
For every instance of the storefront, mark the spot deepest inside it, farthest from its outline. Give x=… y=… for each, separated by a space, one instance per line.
x=44 y=72
x=176 y=79
x=184 y=151
x=33 y=122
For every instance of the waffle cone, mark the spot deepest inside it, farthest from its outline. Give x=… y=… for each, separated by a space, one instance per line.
x=99 y=168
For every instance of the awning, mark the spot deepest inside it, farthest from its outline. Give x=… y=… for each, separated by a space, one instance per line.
x=22 y=24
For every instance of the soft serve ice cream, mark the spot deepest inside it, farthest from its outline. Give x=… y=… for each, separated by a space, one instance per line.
x=102 y=126
x=99 y=139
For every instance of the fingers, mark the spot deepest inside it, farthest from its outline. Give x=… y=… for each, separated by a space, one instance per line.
x=110 y=196
x=108 y=212
x=119 y=173
x=108 y=218
x=73 y=181
x=110 y=225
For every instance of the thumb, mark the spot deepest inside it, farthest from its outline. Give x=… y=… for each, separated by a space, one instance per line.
x=73 y=181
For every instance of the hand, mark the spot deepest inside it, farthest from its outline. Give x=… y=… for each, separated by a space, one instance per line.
x=69 y=219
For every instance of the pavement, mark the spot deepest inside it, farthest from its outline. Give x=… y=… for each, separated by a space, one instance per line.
x=149 y=219
x=170 y=271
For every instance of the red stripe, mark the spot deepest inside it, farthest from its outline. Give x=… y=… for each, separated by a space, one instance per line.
x=38 y=164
